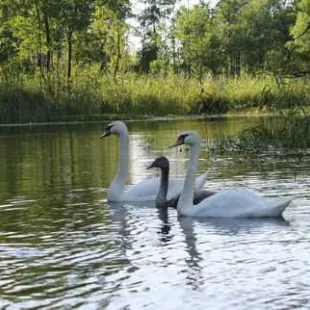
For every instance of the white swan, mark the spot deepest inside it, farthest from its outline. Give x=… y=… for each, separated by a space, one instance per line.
x=145 y=190
x=225 y=203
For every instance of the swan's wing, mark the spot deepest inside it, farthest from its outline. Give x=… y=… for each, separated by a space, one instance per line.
x=172 y=203
x=240 y=204
x=176 y=185
x=200 y=180
x=146 y=190
x=201 y=195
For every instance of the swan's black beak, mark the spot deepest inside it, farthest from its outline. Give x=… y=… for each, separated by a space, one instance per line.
x=179 y=141
x=174 y=145
x=150 y=166
x=106 y=132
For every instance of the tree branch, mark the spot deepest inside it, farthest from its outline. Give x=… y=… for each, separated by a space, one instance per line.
x=304 y=32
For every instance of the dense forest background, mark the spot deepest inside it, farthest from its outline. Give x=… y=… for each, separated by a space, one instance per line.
x=70 y=59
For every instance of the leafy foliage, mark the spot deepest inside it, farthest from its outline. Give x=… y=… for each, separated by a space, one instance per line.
x=236 y=55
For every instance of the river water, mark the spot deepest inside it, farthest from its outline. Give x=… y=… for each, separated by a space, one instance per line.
x=62 y=246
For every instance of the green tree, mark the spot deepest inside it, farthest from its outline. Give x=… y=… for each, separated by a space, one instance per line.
x=110 y=32
x=300 y=45
x=150 y=19
x=253 y=33
x=200 y=47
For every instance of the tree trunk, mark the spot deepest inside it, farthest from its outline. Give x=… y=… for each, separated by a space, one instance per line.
x=231 y=64
x=118 y=55
x=48 y=41
x=69 y=54
x=238 y=63
x=174 y=62
x=39 y=45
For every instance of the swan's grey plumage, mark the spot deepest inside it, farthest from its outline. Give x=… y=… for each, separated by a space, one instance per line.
x=145 y=190
x=225 y=203
x=161 y=199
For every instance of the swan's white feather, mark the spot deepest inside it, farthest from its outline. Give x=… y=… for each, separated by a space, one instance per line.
x=238 y=203
x=146 y=190
x=226 y=203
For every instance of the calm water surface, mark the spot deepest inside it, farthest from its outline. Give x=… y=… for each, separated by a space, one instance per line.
x=62 y=246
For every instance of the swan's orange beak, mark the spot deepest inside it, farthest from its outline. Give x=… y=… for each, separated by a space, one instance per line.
x=179 y=141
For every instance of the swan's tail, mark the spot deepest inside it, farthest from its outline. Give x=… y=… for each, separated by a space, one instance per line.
x=279 y=208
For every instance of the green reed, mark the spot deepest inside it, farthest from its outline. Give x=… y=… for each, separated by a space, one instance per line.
x=90 y=96
x=289 y=131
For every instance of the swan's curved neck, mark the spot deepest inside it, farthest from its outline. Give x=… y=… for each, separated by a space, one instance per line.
x=117 y=187
x=161 y=198
x=187 y=196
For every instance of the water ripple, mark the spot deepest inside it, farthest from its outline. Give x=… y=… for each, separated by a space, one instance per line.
x=62 y=246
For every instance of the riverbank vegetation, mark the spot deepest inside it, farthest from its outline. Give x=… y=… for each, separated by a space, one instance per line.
x=71 y=60
x=132 y=96
x=287 y=132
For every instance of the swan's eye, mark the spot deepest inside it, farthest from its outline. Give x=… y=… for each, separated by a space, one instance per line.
x=182 y=137
x=180 y=140
x=108 y=128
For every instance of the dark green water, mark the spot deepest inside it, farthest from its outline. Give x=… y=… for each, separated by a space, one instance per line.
x=62 y=246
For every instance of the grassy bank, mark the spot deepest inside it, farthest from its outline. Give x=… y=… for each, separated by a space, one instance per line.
x=292 y=131
x=133 y=96
x=288 y=131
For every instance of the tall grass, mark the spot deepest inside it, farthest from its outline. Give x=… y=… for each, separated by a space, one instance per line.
x=90 y=96
x=289 y=131
x=292 y=131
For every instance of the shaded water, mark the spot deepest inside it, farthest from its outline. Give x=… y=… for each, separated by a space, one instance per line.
x=63 y=246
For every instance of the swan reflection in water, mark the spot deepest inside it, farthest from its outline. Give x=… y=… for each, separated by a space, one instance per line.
x=199 y=249
x=165 y=227
x=197 y=242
